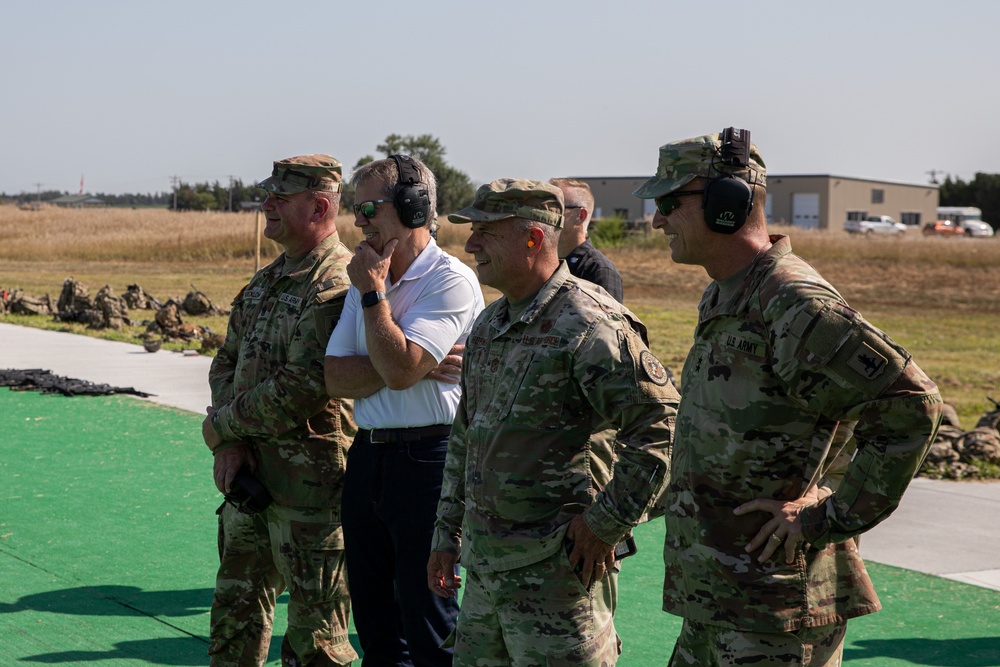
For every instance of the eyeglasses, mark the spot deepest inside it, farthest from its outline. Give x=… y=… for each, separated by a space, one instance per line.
x=366 y=209
x=667 y=204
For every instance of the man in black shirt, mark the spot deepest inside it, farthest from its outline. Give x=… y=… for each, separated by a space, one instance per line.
x=584 y=260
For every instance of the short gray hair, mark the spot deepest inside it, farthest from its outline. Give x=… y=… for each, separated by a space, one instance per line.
x=386 y=173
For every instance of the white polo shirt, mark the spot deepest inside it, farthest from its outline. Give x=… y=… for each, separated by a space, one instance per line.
x=435 y=303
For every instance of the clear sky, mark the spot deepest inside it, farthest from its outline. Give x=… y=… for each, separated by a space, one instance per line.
x=130 y=93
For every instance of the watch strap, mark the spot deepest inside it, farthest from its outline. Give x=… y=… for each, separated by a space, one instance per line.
x=369 y=299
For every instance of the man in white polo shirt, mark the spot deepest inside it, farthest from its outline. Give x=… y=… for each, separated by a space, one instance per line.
x=409 y=303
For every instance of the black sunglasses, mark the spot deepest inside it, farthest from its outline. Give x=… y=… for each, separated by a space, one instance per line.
x=367 y=208
x=667 y=204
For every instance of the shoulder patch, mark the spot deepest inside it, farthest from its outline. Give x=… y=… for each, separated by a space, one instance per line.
x=867 y=361
x=654 y=369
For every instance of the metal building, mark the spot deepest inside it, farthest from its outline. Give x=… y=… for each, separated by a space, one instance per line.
x=818 y=201
x=823 y=201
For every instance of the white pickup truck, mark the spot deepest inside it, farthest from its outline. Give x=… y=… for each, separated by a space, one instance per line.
x=875 y=224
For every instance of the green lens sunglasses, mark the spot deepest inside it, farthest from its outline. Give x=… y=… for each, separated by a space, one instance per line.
x=667 y=204
x=367 y=208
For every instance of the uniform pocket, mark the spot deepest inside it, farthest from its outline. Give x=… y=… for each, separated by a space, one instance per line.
x=602 y=650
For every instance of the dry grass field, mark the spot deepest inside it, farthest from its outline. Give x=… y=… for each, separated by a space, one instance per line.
x=938 y=297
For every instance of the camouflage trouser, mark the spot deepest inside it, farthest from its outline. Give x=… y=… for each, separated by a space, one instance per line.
x=707 y=645
x=261 y=555
x=537 y=615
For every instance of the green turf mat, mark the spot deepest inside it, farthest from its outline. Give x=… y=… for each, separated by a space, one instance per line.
x=108 y=553
x=925 y=620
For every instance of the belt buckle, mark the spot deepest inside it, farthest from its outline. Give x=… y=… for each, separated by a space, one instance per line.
x=376 y=440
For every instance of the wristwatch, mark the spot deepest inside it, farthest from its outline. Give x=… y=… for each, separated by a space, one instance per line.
x=369 y=299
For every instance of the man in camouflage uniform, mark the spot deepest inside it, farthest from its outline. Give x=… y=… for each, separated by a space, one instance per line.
x=560 y=445
x=271 y=413
x=761 y=539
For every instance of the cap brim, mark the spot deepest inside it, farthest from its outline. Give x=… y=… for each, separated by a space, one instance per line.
x=657 y=187
x=472 y=214
x=280 y=187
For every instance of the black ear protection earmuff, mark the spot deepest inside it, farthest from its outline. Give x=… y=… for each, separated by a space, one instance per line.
x=412 y=201
x=728 y=199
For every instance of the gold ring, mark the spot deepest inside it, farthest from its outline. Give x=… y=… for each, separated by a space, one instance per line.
x=774 y=536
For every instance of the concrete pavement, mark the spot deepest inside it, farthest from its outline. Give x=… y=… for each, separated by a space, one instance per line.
x=941 y=528
x=172 y=378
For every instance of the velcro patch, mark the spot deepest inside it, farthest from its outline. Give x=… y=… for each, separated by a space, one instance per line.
x=868 y=362
x=747 y=346
x=654 y=369
x=290 y=299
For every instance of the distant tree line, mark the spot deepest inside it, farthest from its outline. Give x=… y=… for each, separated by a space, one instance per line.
x=217 y=197
x=983 y=192
x=454 y=189
x=144 y=200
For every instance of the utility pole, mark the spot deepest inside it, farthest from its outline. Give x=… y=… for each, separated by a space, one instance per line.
x=933 y=174
x=38 y=196
x=173 y=182
x=230 y=193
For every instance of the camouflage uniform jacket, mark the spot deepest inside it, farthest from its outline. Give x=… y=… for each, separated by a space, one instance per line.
x=531 y=445
x=267 y=379
x=779 y=373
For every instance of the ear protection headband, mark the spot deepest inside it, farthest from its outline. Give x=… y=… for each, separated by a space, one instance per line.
x=728 y=199
x=411 y=200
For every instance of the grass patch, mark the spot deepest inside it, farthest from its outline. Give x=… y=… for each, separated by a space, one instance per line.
x=939 y=298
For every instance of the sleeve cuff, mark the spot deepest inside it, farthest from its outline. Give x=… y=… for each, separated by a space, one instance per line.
x=220 y=423
x=442 y=541
x=604 y=524
x=815 y=525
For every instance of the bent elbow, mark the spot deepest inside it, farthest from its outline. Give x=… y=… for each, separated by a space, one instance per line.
x=330 y=375
x=400 y=381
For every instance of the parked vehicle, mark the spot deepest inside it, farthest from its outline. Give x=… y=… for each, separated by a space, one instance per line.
x=977 y=228
x=943 y=228
x=875 y=224
x=968 y=218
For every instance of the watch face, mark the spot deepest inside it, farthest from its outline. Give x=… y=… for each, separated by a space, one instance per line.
x=369 y=299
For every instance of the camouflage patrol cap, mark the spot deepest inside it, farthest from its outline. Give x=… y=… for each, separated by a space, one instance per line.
x=683 y=161
x=305 y=172
x=514 y=198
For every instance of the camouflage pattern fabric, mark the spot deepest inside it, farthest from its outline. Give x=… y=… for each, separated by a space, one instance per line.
x=523 y=459
x=26 y=304
x=305 y=554
x=700 y=644
x=683 y=161
x=317 y=171
x=268 y=390
x=568 y=624
x=73 y=300
x=112 y=310
x=267 y=378
x=779 y=373
x=514 y=198
x=532 y=446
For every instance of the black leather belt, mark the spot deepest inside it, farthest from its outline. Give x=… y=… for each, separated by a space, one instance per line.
x=405 y=435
